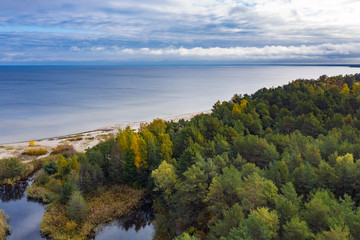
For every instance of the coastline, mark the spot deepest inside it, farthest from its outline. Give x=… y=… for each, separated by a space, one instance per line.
x=82 y=140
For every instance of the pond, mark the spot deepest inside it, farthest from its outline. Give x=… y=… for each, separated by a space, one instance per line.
x=139 y=225
x=25 y=217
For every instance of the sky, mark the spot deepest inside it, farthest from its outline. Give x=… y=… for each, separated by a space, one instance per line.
x=179 y=31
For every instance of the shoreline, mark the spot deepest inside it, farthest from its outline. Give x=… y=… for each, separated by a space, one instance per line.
x=81 y=140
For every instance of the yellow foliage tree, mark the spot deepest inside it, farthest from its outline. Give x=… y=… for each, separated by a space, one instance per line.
x=236 y=109
x=166 y=146
x=136 y=148
x=75 y=163
x=147 y=135
x=336 y=233
x=243 y=105
x=343 y=160
x=356 y=89
x=345 y=90
x=62 y=165
x=138 y=145
x=157 y=127
x=164 y=177
x=124 y=138
x=143 y=149
x=239 y=108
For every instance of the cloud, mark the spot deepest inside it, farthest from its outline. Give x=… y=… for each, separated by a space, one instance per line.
x=75 y=49
x=243 y=53
x=302 y=53
x=253 y=29
x=97 y=48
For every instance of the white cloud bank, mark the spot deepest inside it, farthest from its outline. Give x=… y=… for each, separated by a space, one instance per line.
x=343 y=53
x=350 y=50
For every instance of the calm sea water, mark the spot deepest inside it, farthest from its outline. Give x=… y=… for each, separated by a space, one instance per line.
x=40 y=102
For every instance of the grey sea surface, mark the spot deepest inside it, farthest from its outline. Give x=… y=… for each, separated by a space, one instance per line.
x=46 y=101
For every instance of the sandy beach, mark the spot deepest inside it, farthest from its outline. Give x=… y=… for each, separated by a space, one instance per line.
x=80 y=141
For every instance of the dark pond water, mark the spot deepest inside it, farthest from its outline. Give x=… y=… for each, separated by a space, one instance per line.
x=138 y=225
x=25 y=217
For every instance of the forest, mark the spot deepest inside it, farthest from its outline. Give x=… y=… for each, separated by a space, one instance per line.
x=282 y=163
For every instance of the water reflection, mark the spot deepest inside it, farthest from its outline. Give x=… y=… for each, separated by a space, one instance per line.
x=16 y=192
x=136 y=226
x=25 y=216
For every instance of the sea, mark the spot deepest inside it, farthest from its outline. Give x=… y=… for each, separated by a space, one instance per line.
x=39 y=102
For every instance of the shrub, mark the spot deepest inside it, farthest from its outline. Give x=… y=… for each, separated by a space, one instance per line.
x=77 y=209
x=37 y=164
x=66 y=150
x=54 y=185
x=11 y=168
x=67 y=190
x=40 y=193
x=42 y=177
x=51 y=168
x=35 y=151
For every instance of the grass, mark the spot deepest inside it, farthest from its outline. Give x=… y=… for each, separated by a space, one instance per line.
x=4 y=227
x=13 y=170
x=75 y=139
x=45 y=188
x=72 y=137
x=64 y=137
x=105 y=205
x=41 y=193
x=9 y=148
x=38 y=151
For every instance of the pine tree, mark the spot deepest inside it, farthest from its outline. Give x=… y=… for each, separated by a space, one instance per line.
x=77 y=208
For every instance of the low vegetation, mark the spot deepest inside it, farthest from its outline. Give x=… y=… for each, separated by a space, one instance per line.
x=13 y=170
x=45 y=189
x=35 y=151
x=79 y=197
x=4 y=228
x=78 y=218
x=66 y=150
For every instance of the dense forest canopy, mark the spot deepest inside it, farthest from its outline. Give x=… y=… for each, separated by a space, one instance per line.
x=282 y=163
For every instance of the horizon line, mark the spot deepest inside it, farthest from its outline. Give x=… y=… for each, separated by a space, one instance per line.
x=183 y=64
